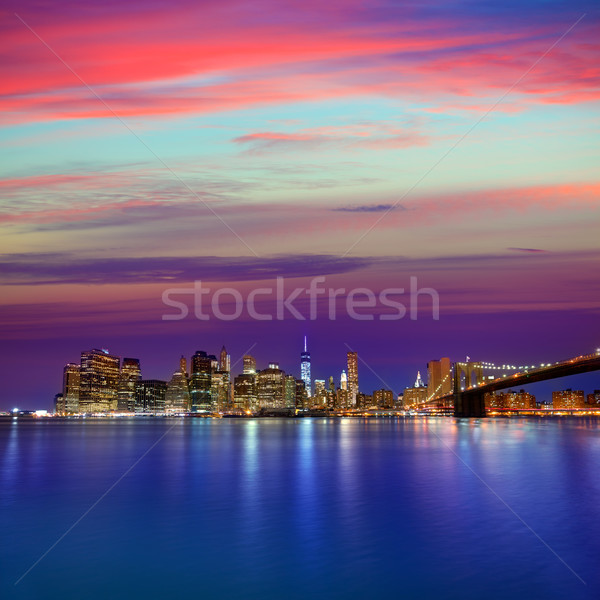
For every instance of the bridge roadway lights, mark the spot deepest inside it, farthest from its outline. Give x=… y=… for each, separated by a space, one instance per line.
x=469 y=405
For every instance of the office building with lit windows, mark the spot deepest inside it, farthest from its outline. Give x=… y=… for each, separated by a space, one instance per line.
x=71 y=384
x=305 y=369
x=130 y=374
x=99 y=381
x=201 y=382
x=352 y=377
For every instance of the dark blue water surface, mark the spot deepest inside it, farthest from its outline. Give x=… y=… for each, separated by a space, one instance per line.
x=300 y=508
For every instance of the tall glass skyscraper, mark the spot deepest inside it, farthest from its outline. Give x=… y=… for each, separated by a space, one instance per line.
x=99 y=381
x=352 y=376
x=305 y=369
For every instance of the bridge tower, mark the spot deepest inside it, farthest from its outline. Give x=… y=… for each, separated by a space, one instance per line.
x=471 y=404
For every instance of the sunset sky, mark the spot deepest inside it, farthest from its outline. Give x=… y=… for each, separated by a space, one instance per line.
x=147 y=145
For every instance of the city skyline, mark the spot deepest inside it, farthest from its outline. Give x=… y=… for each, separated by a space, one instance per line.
x=104 y=382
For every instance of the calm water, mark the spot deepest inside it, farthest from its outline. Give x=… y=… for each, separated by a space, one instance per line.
x=300 y=508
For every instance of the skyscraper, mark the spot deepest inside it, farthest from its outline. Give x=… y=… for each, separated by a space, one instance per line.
x=249 y=365
x=150 y=396
x=183 y=366
x=305 y=369
x=270 y=387
x=244 y=392
x=177 y=397
x=290 y=391
x=71 y=382
x=439 y=378
x=99 y=381
x=200 y=382
x=419 y=382
x=352 y=377
x=130 y=374
x=343 y=381
x=224 y=360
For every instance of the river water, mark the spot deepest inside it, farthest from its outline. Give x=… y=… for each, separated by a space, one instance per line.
x=300 y=508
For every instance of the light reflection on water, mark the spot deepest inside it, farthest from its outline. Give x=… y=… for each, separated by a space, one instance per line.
x=270 y=508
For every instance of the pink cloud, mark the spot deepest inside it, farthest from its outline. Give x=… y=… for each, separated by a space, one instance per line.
x=174 y=62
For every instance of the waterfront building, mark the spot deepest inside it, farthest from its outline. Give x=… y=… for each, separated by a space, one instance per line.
x=383 y=398
x=59 y=404
x=99 y=381
x=220 y=390
x=439 y=378
x=200 y=382
x=244 y=392
x=414 y=397
x=568 y=399
x=128 y=377
x=352 y=359
x=71 y=384
x=270 y=387
x=509 y=399
x=593 y=399
x=177 y=396
x=150 y=396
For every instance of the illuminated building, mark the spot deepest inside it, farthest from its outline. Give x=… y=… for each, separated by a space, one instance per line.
x=290 y=391
x=183 y=366
x=344 y=381
x=414 y=396
x=493 y=400
x=270 y=387
x=99 y=381
x=301 y=396
x=200 y=382
x=364 y=400
x=244 y=392
x=439 y=378
x=419 y=382
x=593 y=400
x=512 y=400
x=177 y=396
x=150 y=395
x=342 y=399
x=220 y=390
x=320 y=395
x=224 y=361
x=352 y=377
x=568 y=399
x=71 y=383
x=249 y=365
x=130 y=374
x=383 y=398
x=59 y=404
x=305 y=369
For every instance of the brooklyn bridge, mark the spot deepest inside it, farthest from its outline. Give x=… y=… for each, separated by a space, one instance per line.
x=465 y=384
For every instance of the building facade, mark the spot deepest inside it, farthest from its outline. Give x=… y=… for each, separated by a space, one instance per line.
x=99 y=381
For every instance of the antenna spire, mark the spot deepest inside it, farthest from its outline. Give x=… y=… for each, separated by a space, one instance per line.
x=304 y=343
